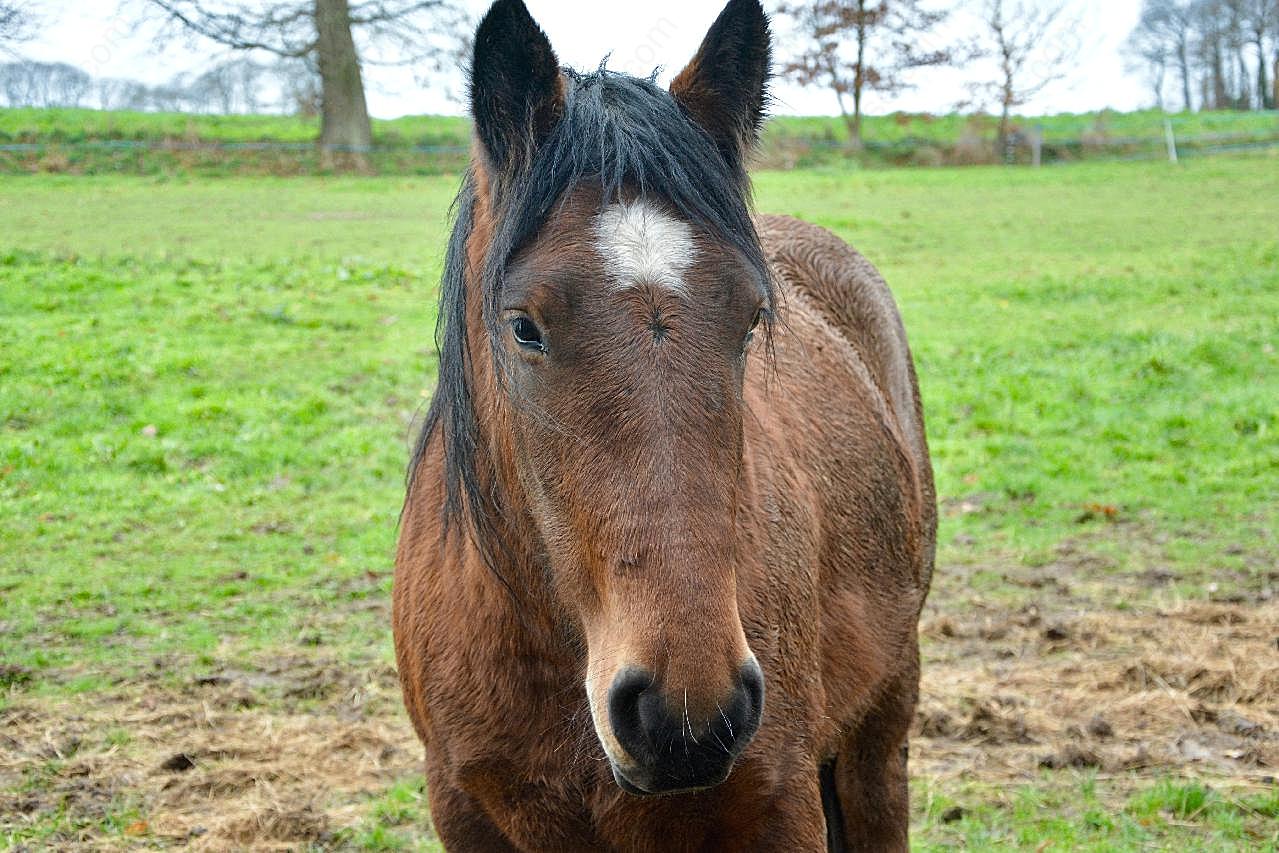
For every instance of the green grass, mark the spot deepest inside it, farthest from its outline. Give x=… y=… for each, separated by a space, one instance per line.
x=1073 y=352
x=1157 y=816
x=205 y=389
x=395 y=819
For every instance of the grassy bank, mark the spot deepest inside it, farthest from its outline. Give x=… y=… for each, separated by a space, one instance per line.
x=82 y=141
x=83 y=125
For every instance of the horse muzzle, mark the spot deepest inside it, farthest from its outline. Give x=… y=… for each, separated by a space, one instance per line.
x=671 y=751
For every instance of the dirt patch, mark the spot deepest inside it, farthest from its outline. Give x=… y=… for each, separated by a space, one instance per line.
x=1187 y=686
x=234 y=760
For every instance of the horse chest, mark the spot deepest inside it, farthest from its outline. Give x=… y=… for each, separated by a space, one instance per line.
x=535 y=766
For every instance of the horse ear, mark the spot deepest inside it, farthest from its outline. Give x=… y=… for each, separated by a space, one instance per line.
x=517 y=93
x=724 y=88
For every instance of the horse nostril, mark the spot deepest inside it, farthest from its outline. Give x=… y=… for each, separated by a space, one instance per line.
x=753 y=684
x=634 y=711
x=747 y=708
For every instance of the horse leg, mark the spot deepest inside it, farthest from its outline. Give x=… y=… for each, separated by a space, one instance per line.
x=795 y=822
x=460 y=822
x=864 y=787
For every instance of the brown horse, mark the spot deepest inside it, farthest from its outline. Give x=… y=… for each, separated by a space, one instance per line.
x=675 y=461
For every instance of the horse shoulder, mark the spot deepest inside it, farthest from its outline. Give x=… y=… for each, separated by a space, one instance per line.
x=833 y=279
x=853 y=297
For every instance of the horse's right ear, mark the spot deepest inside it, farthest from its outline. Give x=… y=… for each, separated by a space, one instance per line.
x=517 y=93
x=725 y=88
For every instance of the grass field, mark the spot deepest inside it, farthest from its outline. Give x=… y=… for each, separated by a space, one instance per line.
x=206 y=396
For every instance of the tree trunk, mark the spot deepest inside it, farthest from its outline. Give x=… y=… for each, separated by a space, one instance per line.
x=1183 y=66
x=855 y=127
x=1004 y=122
x=1220 y=97
x=345 y=131
x=1274 y=81
x=852 y=122
x=1264 y=95
x=1244 y=101
x=1007 y=100
x=859 y=77
x=849 y=122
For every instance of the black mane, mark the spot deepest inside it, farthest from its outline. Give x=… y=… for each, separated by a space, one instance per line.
x=618 y=132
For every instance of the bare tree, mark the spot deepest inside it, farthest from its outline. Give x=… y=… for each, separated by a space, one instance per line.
x=1149 y=55
x=1262 y=19
x=70 y=85
x=228 y=87
x=850 y=46
x=323 y=32
x=172 y=96
x=1226 y=32
x=136 y=96
x=11 y=84
x=1234 y=37
x=43 y=84
x=1034 y=46
x=1210 y=53
x=300 y=82
x=109 y=92
x=17 y=24
x=1172 y=24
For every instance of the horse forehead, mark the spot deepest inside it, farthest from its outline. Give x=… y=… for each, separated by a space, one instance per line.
x=642 y=244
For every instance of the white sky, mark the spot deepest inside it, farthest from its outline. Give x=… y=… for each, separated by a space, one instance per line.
x=92 y=35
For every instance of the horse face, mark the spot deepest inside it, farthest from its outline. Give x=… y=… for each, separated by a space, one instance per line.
x=621 y=336
x=625 y=341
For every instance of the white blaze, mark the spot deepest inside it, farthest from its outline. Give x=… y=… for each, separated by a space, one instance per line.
x=643 y=245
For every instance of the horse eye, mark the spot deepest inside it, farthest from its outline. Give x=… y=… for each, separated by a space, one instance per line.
x=750 y=333
x=527 y=334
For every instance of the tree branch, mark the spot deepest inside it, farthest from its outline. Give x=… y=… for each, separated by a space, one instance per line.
x=286 y=30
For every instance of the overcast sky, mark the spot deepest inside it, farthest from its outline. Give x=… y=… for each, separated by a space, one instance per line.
x=639 y=35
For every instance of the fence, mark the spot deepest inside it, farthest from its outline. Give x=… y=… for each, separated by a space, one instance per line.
x=1032 y=147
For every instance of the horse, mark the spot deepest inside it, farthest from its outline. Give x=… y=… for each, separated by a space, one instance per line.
x=670 y=520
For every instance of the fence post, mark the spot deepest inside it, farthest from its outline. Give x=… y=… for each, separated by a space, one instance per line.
x=1037 y=146
x=1170 y=141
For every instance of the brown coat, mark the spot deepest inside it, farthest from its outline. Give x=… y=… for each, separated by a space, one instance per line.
x=838 y=502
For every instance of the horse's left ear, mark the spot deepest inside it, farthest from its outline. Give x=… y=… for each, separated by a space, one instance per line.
x=724 y=88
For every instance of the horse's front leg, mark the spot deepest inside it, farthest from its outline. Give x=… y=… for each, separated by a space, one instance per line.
x=795 y=822
x=460 y=822
x=870 y=797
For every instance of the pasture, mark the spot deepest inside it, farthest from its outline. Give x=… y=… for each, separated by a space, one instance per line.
x=207 y=391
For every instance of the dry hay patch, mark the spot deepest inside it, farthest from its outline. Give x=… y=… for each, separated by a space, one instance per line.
x=206 y=769
x=1186 y=687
